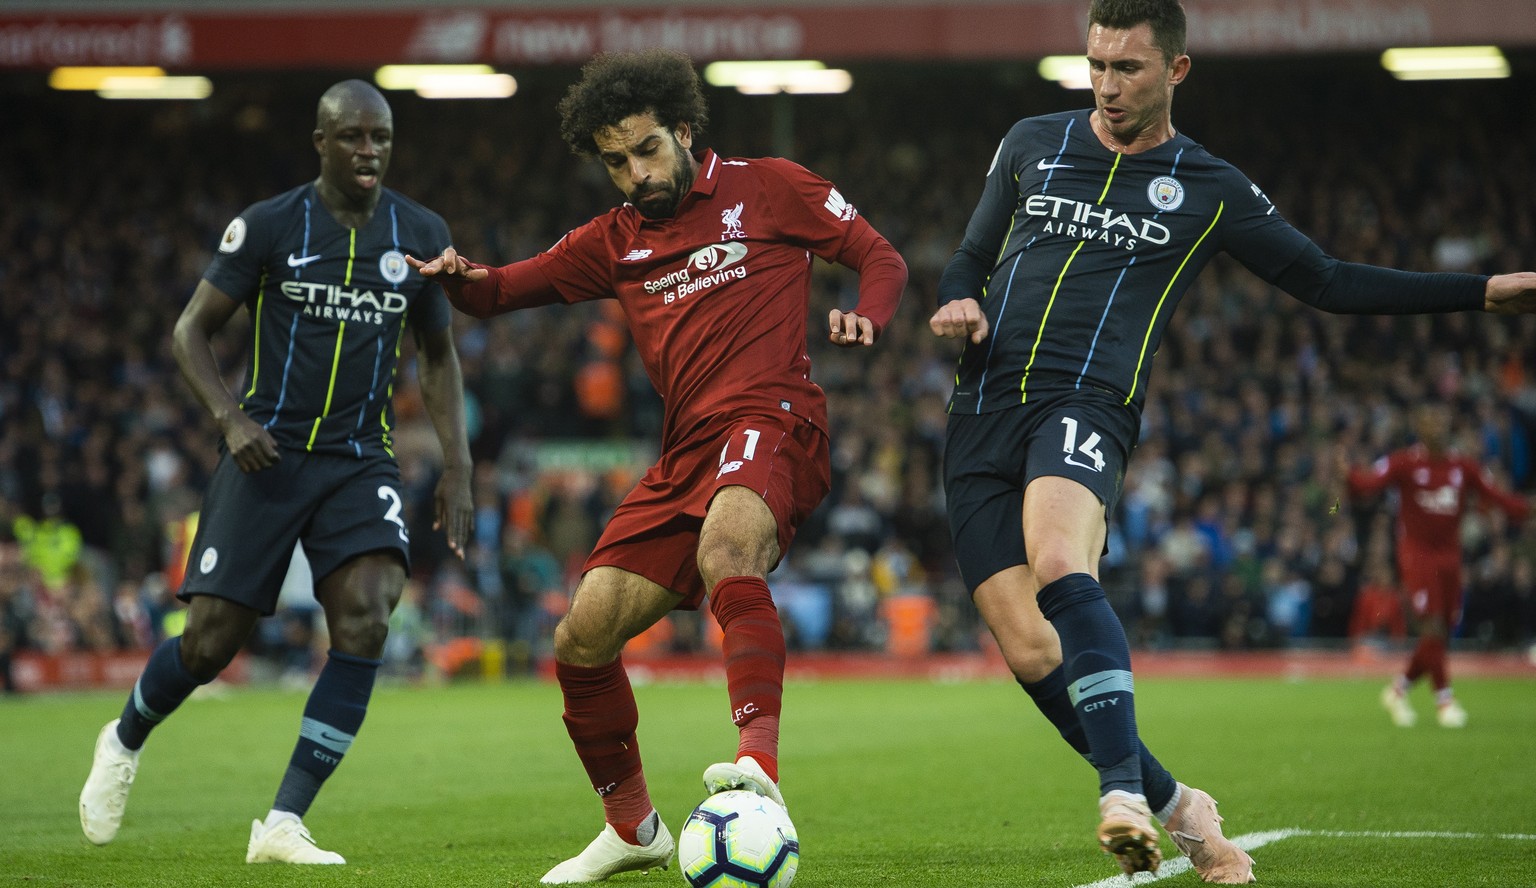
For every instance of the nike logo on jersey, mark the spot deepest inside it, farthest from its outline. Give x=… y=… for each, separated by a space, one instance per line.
x=1042 y=165
x=295 y=262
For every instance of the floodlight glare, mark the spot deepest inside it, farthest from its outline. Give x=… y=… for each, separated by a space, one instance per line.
x=410 y=76
x=1446 y=62
x=1071 y=72
x=82 y=78
x=188 y=87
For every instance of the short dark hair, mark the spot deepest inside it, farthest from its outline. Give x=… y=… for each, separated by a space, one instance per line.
x=1165 y=16
x=617 y=85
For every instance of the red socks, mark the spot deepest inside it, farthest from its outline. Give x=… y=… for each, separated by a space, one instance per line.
x=754 y=665
x=601 y=716
x=1429 y=658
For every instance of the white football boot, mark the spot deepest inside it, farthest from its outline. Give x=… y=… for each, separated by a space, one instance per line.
x=608 y=854
x=286 y=841
x=105 y=795
x=1395 y=702
x=1451 y=715
x=744 y=773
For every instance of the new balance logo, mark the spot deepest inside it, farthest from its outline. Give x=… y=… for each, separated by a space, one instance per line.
x=839 y=207
x=295 y=262
x=1042 y=165
x=635 y=255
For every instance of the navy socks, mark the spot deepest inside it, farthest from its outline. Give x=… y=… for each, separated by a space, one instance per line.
x=1097 y=663
x=162 y=686
x=1051 y=698
x=331 y=719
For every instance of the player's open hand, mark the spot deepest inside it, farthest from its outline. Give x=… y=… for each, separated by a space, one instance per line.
x=455 y=508
x=448 y=269
x=960 y=319
x=850 y=329
x=1511 y=293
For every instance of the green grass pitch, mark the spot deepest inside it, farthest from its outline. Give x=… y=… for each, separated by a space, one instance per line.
x=890 y=783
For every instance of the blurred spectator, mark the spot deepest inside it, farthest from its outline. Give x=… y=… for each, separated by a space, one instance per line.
x=1233 y=480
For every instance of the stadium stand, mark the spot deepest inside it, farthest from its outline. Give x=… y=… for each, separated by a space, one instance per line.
x=1228 y=535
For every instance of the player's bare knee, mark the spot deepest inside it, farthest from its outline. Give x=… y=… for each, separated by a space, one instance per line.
x=576 y=647
x=1052 y=566
x=728 y=557
x=361 y=634
x=205 y=654
x=1032 y=657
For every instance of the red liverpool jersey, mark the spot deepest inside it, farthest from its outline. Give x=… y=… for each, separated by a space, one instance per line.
x=717 y=295
x=1433 y=494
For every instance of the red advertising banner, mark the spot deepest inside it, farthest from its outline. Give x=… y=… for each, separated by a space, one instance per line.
x=341 y=36
x=93 y=671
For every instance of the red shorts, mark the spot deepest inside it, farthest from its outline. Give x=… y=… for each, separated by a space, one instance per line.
x=655 y=531
x=1432 y=582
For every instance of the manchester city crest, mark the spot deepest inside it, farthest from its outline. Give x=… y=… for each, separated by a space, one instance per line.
x=1166 y=193
x=392 y=266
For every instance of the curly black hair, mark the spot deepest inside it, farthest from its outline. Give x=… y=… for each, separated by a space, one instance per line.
x=616 y=85
x=1165 y=16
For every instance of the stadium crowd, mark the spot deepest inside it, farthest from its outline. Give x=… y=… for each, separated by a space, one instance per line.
x=1231 y=531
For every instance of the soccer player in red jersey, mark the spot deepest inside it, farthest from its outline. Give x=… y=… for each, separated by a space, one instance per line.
x=710 y=258
x=1433 y=483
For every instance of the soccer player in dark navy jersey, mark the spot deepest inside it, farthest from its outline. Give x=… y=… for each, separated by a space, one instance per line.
x=307 y=454
x=710 y=258
x=1090 y=227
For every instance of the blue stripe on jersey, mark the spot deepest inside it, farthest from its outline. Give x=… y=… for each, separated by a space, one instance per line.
x=298 y=270
x=373 y=385
x=282 y=387
x=1059 y=152
x=1116 y=289
x=986 y=364
x=1102 y=318
x=293 y=328
x=1046 y=186
x=394 y=226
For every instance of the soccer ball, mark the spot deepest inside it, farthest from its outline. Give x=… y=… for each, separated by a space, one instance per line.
x=738 y=839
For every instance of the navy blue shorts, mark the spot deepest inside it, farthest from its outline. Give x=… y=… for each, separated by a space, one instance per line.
x=989 y=459
x=339 y=507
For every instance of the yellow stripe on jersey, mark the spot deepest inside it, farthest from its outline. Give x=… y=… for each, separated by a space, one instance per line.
x=389 y=396
x=261 y=295
x=341 y=334
x=1060 y=276
x=330 y=390
x=1166 y=290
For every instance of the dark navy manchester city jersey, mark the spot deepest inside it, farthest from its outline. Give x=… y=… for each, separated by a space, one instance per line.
x=1079 y=255
x=329 y=306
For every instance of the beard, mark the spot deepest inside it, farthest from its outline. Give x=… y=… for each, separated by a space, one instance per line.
x=659 y=200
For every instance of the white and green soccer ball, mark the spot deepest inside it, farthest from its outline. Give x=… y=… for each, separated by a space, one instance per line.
x=738 y=839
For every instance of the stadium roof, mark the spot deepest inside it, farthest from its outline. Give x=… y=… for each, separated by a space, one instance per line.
x=266 y=34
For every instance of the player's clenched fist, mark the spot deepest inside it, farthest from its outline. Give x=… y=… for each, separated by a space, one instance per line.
x=959 y=319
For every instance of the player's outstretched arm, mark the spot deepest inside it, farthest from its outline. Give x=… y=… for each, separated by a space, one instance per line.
x=960 y=319
x=1511 y=293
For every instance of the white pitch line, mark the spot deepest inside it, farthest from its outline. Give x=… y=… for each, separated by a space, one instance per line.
x=1250 y=841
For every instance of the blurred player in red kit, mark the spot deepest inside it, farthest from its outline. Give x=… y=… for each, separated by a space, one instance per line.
x=1433 y=483
x=710 y=258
